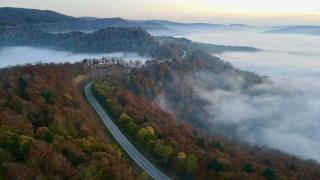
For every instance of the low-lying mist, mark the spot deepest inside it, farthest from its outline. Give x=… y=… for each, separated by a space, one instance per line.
x=282 y=113
x=10 y=56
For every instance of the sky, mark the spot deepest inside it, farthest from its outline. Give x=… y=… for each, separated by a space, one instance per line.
x=214 y=11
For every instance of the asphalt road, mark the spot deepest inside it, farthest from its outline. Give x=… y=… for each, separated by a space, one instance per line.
x=122 y=140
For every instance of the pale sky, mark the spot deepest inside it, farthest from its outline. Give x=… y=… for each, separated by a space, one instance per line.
x=261 y=12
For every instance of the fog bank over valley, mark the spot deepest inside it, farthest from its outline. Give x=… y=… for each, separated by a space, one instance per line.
x=283 y=113
x=10 y=56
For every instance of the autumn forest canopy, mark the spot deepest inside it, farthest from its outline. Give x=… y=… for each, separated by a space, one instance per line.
x=48 y=130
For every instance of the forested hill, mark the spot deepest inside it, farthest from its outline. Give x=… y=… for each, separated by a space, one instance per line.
x=47 y=131
x=211 y=48
x=158 y=108
x=19 y=16
x=45 y=20
x=104 y=40
x=302 y=29
x=171 y=82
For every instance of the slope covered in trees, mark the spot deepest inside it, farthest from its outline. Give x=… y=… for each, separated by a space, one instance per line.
x=184 y=150
x=133 y=99
x=169 y=82
x=302 y=29
x=51 y=21
x=211 y=48
x=102 y=41
x=47 y=131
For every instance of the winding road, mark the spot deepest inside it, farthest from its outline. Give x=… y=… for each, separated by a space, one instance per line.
x=122 y=140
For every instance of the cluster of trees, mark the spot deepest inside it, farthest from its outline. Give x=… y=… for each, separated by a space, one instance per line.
x=211 y=48
x=130 y=100
x=47 y=130
x=171 y=78
x=55 y=22
x=187 y=152
x=105 y=40
x=139 y=120
x=109 y=61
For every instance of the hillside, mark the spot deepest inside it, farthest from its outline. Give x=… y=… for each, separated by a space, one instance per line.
x=42 y=110
x=211 y=48
x=102 y=41
x=106 y=40
x=170 y=81
x=20 y=16
x=47 y=131
x=308 y=30
x=45 y=20
x=166 y=129
x=51 y=21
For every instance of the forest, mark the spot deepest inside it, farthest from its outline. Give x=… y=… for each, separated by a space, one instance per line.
x=102 y=41
x=187 y=152
x=170 y=81
x=211 y=48
x=48 y=131
x=174 y=136
x=106 y=40
x=51 y=21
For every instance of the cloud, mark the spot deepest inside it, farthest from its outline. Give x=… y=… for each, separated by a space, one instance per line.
x=283 y=113
x=11 y=56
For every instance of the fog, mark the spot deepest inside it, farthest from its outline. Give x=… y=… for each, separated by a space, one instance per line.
x=10 y=56
x=284 y=113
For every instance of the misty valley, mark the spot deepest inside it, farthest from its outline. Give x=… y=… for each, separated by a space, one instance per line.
x=20 y=55
x=209 y=101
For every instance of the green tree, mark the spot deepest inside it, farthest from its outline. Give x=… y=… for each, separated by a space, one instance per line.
x=132 y=127
x=94 y=170
x=49 y=97
x=48 y=136
x=247 y=168
x=269 y=174
x=146 y=134
x=292 y=167
x=124 y=118
x=217 y=165
x=163 y=151
x=23 y=85
x=191 y=163
x=18 y=145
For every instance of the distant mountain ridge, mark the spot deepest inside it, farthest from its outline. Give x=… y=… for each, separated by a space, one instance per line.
x=301 y=29
x=19 y=16
x=211 y=48
x=50 y=21
x=46 y=20
x=103 y=41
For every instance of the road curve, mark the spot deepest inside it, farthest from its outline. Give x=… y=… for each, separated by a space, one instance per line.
x=122 y=140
